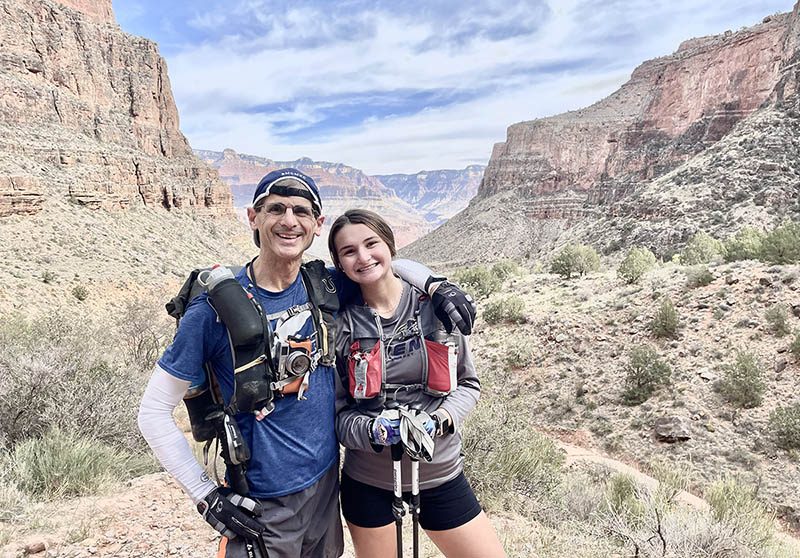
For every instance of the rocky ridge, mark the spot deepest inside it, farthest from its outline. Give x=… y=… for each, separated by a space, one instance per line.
x=437 y=194
x=557 y=177
x=87 y=115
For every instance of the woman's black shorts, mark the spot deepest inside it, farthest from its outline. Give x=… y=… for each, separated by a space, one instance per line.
x=447 y=506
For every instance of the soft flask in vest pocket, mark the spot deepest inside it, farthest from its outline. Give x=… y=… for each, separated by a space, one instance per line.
x=442 y=351
x=365 y=371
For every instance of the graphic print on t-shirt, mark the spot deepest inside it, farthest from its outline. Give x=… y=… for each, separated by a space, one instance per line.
x=404 y=340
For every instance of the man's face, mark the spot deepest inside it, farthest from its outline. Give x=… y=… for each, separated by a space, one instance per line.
x=286 y=225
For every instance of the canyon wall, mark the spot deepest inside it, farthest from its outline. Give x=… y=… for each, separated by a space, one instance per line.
x=87 y=115
x=649 y=157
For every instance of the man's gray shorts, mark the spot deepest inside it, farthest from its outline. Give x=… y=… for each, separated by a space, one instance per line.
x=306 y=524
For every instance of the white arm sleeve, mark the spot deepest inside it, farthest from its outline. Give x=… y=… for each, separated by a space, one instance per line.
x=163 y=393
x=417 y=274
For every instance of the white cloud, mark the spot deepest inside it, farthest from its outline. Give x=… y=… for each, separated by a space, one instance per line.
x=307 y=63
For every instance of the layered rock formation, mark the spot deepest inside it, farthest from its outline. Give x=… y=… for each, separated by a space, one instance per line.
x=567 y=177
x=437 y=194
x=87 y=115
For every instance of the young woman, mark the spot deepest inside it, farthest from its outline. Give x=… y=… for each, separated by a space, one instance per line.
x=392 y=349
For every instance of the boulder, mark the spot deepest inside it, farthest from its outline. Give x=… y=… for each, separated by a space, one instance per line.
x=671 y=429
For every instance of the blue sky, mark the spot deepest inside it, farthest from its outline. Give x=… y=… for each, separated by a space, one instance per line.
x=390 y=86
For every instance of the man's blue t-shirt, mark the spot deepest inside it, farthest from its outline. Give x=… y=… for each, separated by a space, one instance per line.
x=296 y=444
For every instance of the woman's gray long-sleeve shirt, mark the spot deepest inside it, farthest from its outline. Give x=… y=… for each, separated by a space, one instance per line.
x=404 y=365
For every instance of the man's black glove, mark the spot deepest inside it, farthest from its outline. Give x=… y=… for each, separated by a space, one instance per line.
x=451 y=305
x=231 y=514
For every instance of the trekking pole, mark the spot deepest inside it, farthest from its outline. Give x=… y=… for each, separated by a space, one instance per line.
x=398 y=509
x=414 y=504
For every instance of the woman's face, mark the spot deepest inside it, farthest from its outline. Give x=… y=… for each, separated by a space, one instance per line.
x=363 y=256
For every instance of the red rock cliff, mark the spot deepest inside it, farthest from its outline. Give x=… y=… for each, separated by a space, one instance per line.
x=702 y=139
x=671 y=109
x=86 y=112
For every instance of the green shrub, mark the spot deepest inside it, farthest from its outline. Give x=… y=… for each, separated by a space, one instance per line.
x=62 y=464
x=505 y=269
x=736 y=505
x=784 y=423
x=80 y=292
x=782 y=244
x=575 y=259
x=742 y=383
x=794 y=347
x=746 y=244
x=702 y=248
x=518 y=353
x=638 y=262
x=665 y=320
x=777 y=317
x=478 y=280
x=510 y=466
x=645 y=372
x=698 y=276
x=506 y=309
x=623 y=497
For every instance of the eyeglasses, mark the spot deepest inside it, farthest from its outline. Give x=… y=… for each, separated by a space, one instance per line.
x=278 y=209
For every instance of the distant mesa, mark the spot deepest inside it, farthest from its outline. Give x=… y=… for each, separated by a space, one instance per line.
x=413 y=203
x=703 y=138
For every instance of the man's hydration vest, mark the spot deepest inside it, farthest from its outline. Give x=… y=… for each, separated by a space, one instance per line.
x=367 y=355
x=257 y=373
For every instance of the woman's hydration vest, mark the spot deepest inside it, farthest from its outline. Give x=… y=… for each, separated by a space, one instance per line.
x=369 y=343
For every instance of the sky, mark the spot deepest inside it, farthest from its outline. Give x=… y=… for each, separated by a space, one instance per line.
x=393 y=86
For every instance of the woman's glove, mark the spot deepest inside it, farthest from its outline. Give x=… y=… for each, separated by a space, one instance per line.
x=451 y=305
x=384 y=431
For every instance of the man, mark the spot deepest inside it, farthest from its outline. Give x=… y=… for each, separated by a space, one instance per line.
x=292 y=508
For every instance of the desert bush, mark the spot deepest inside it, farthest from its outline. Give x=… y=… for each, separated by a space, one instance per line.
x=505 y=269
x=645 y=372
x=702 y=248
x=576 y=259
x=736 y=505
x=509 y=465
x=144 y=331
x=794 y=346
x=478 y=280
x=62 y=464
x=742 y=383
x=48 y=276
x=80 y=292
x=698 y=276
x=505 y=309
x=622 y=497
x=665 y=320
x=746 y=244
x=784 y=424
x=518 y=353
x=58 y=371
x=777 y=317
x=782 y=244
x=638 y=261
